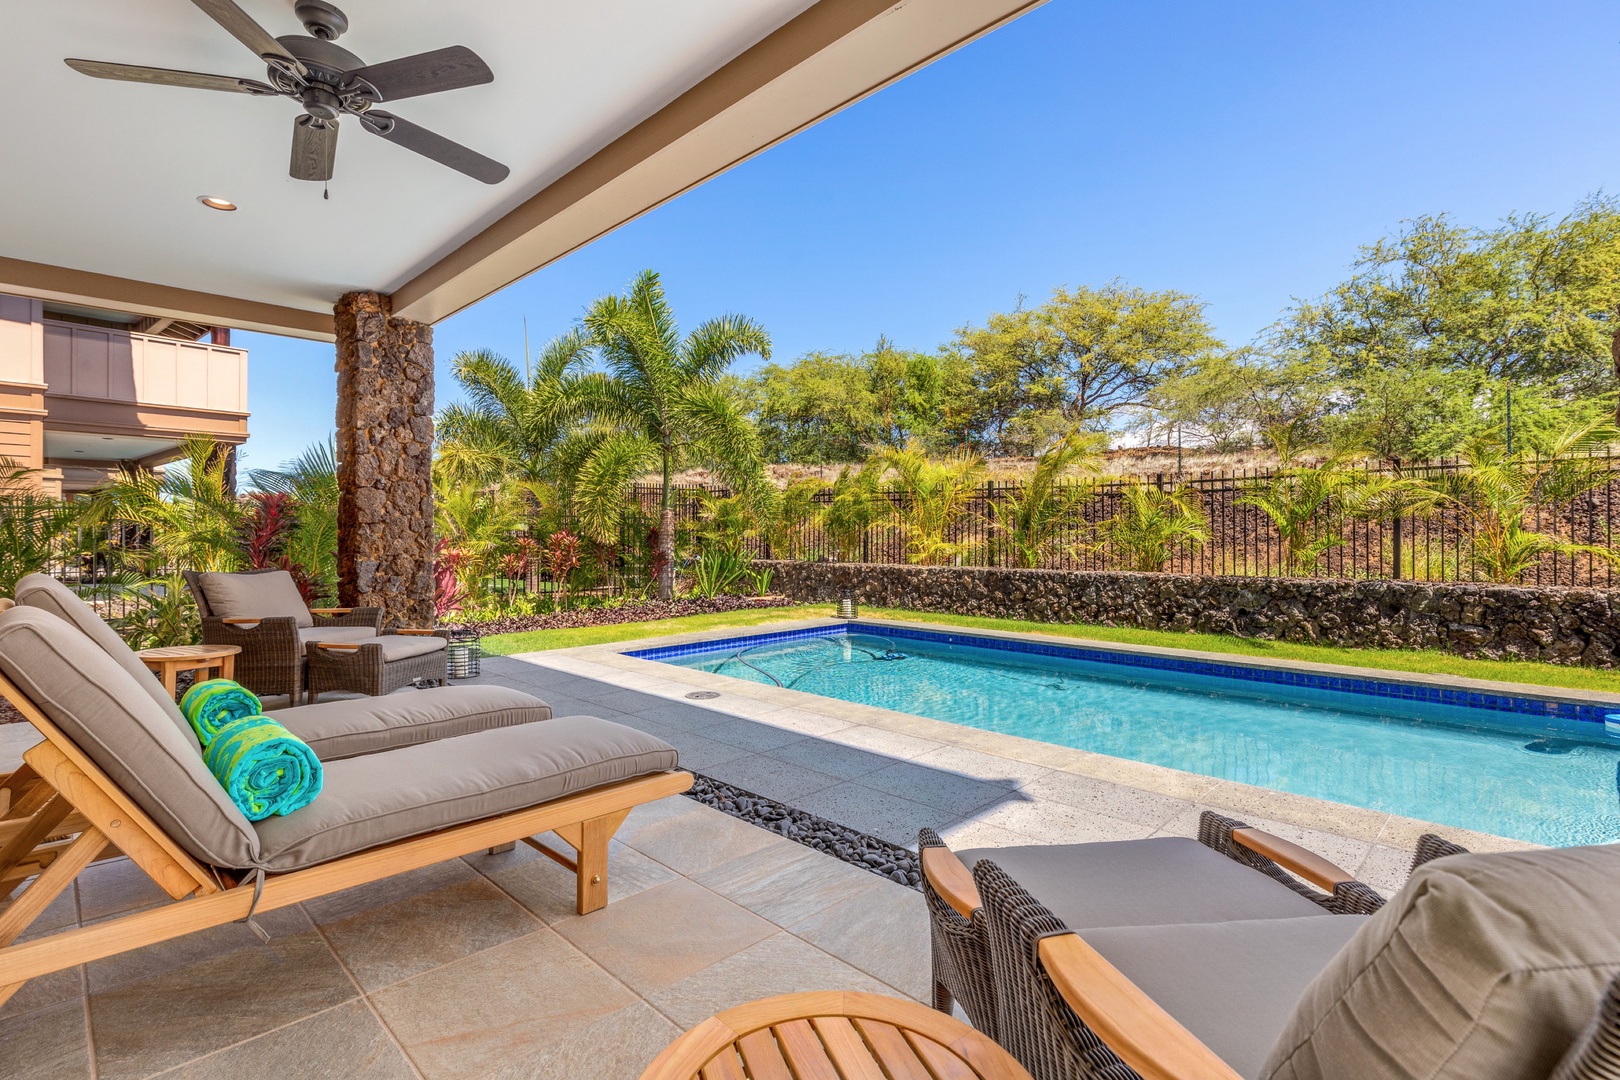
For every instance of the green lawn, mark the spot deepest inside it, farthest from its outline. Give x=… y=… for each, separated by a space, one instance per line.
x=1429 y=662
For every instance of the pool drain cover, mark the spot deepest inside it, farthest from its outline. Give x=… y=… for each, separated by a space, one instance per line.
x=702 y=695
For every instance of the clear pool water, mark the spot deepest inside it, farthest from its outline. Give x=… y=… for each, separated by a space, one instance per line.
x=1542 y=778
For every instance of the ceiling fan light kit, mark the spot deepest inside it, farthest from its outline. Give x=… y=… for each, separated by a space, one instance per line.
x=330 y=82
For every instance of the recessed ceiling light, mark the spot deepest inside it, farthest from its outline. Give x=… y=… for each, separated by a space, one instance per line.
x=214 y=202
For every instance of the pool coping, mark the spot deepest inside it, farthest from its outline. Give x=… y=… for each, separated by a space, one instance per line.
x=757 y=702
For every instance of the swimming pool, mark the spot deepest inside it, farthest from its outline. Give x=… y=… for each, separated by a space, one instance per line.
x=1530 y=768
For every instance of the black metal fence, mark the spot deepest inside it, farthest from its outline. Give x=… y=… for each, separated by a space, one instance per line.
x=1435 y=544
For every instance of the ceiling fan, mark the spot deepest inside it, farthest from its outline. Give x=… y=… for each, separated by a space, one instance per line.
x=329 y=81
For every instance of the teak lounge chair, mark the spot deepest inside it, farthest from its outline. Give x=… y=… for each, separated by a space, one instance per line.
x=334 y=729
x=115 y=774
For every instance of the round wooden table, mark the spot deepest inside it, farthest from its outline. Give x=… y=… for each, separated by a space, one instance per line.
x=829 y=1035
x=170 y=660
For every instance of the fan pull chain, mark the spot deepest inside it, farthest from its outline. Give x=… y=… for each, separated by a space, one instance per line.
x=326 y=190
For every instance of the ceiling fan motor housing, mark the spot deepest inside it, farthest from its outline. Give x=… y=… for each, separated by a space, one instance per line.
x=321 y=19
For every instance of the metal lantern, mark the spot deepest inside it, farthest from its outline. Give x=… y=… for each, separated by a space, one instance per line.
x=465 y=653
x=846 y=605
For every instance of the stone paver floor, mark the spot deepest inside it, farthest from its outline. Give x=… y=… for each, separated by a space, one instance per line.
x=478 y=967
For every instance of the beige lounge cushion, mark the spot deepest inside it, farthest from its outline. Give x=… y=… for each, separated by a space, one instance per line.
x=335 y=633
x=47 y=594
x=340 y=729
x=98 y=705
x=1232 y=984
x=1164 y=880
x=378 y=798
x=405 y=646
x=1484 y=967
x=248 y=596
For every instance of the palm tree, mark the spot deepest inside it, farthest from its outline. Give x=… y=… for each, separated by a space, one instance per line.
x=858 y=503
x=1153 y=523
x=514 y=424
x=1031 y=518
x=195 y=519
x=1498 y=491
x=478 y=525
x=32 y=526
x=797 y=512
x=662 y=401
x=310 y=548
x=937 y=494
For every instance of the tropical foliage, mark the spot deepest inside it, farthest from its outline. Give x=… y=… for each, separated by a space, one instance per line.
x=1031 y=518
x=1500 y=493
x=1154 y=524
x=935 y=493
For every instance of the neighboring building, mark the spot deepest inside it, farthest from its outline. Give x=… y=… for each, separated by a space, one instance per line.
x=83 y=392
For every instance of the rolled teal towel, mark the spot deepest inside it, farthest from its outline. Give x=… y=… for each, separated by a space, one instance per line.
x=209 y=706
x=263 y=767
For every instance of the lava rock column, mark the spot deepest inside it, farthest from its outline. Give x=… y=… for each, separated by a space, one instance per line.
x=385 y=460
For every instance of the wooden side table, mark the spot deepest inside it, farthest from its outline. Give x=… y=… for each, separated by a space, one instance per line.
x=830 y=1035
x=170 y=660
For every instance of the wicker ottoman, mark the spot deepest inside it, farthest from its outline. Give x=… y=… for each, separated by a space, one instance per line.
x=380 y=666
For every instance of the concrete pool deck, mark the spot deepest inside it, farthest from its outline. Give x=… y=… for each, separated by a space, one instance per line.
x=889 y=773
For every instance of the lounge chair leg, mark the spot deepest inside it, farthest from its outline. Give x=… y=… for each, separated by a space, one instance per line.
x=6 y=992
x=589 y=839
x=49 y=885
x=942 y=999
x=502 y=849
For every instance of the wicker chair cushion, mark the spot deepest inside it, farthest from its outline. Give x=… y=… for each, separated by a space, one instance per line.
x=115 y=722
x=1232 y=984
x=378 y=798
x=1143 y=883
x=405 y=646
x=1483 y=966
x=47 y=594
x=344 y=728
x=335 y=633
x=247 y=596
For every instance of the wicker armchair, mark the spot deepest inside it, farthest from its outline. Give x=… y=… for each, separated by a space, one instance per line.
x=272 y=660
x=990 y=937
x=960 y=940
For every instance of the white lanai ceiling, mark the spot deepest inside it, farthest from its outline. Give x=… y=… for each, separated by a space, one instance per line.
x=601 y=109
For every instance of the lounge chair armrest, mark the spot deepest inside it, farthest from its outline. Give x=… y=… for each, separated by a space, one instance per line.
x=1293 y=858
x=330 y=611
x=338 y=646
x=1134 y=1026
x=270 y=631
x=414 y=631
x=951 y=879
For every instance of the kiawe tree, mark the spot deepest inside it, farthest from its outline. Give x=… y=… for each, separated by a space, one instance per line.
x=1083 y=357
x=661 y=402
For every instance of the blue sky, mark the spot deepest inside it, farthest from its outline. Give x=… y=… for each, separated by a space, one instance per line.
x=1239 y=152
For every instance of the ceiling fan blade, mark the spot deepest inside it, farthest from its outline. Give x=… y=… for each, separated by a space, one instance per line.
x=437 y=147
x=314 y=148
x=244 y=29
x=425 y=73
x=170 y=77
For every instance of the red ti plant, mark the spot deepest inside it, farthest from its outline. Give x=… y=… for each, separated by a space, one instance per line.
x=515 y=564
x=562 y=558
x=270 y=517
x=448 y=591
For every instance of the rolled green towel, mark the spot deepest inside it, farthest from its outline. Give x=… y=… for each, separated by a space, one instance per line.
x=209 y=706
x=263 y=767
